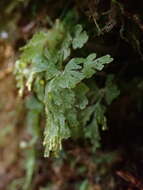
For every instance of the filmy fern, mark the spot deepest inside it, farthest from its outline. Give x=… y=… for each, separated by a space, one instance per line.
x=47 y=68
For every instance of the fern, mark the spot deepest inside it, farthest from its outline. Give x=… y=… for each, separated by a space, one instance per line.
x=58 y=81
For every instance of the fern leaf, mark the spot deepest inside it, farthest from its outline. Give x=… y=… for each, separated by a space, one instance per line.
x=59 y=84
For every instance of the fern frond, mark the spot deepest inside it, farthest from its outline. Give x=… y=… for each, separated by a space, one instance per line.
x=59 y=84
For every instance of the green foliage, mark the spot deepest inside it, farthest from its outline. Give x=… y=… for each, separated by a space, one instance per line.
x=33 y=119
x=112 y=90
x=57 y=80
x=84 y=185
x=92 y=130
